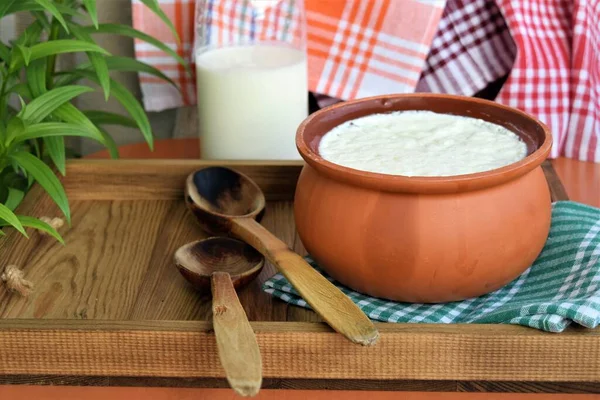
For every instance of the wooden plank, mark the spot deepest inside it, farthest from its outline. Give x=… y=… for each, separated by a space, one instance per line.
x=98 y=274
x=268 y=383
x=118 y=264
x=311 y=384
x=164 y=179
x=165 y=295
x=406 y=351
x=529 y=387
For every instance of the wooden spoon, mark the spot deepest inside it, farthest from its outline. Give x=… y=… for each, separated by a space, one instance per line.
x=226 y=201
x=220 y=266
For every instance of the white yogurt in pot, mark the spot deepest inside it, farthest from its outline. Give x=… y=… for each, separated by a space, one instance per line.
x=421 y=143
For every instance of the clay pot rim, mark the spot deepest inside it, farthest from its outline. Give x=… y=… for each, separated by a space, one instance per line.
x=426 y=185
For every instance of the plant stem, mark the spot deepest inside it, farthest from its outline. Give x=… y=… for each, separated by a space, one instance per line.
x=51 y=64
x=3 y=113
x=3 y=98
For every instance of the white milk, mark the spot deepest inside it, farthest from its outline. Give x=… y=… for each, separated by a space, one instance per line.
x=251 y=100
x=421 y=143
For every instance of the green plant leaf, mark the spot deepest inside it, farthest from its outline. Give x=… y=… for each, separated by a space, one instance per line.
x=107 y=118
x=38 y=153
x=46 y=178
x=55 y=145
x=135 y=110
x=4 y=52
x=22 y=90
x=3 y=194
x=35 y=223
x=128 y=31
x=25 y=53
x=10 y=219
x=14 y=180
x=54 y=47
x=15 y=128
x=51 y=129
x=14 y=198
x=110 y=144
x=11 y=112
x=31 y=35
x=51 y=8
x=22 y=102
x=97 y=60
x=5 y=6
x=132 y=65
x=43 y=20
x=66 y=78
x=155 y=7
x=43 y=105
x=69 y=113
x=33 y=5
x=115 y=63
x=90 y=6
x=130 y=103
x=36 y=77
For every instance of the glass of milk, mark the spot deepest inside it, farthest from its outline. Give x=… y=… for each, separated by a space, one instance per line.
x=251 y=74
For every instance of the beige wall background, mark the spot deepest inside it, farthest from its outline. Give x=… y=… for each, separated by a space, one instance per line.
x=114 y=11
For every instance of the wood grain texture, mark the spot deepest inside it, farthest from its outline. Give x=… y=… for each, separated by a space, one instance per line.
x=99 y=273
x=165 y=179
x=271 y=383
x=236 y=342
x=111 y=308
x=311 y=384
x=529 y=387
x=476 y=352
x=118 y=264
x=164 y=294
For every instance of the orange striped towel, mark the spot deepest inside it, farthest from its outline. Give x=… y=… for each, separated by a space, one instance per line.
x=356 y=48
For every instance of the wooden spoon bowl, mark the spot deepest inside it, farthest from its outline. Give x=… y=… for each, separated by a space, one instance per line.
x=197 y=261
x=216 y=194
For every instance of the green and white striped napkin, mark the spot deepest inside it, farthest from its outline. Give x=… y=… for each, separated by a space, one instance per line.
x=562 y=285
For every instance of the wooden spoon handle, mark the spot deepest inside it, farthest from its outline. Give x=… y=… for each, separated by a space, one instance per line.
x=236 y=342
x=325 y=298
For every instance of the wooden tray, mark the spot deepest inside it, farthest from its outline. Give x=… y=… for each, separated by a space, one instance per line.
x=109 y=308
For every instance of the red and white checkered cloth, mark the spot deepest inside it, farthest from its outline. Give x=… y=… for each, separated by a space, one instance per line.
x=555 y=45
x=551 y=48
x=472 y=48
x=556 y=75
x=356 y=48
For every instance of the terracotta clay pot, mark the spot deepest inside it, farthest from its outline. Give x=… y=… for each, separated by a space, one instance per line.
x=423 y=239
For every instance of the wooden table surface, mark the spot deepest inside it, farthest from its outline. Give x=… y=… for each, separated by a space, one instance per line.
x=581 y=181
